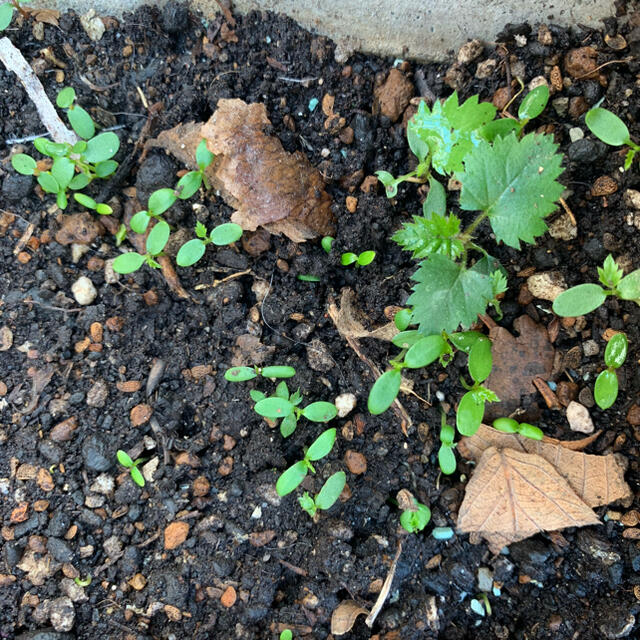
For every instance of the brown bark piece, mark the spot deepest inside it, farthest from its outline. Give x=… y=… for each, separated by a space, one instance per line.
x=516 y=363
x=513 y=495
x=268 y=186
x=597 y=480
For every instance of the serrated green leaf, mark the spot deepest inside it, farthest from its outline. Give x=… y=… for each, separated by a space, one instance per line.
x=384 y=392
x=190 y=252
x=81 y=122
x=128 y=262
x=607 y=126
x=158 y=238
x=426 y=236
x=448 y=130
x=448 y=295
x=605 y=390
x=331 y=490
x=579 y=300
x=322 y=445
x=514 y=182
x=616 y=352
x=307 y=504
x=291 y=478
x=201 y=231
x=610 y=273
x=498 y=129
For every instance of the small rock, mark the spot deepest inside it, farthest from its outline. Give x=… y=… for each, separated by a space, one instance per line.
x=579 y=418
x=561 y=105
x=604 y=186
x=16 y=187
x=96 y=453
x=318 y=356
x=469 y=51
x=103 y=484
x=544 y=35
x=93 y=25
x=355 y=461
x=72 y=590
x=585 y=397
x=392 y=97
x=6 y=338
x=62 y=614
x=112 y=547
x=576 y=133
x=562 y=228
x=631 y=199
x=619 y=623
x=77 y=251
x=228 y=598
x=83 y=291
x=590 y=348
x=64 y=430
x=581 y=63
x=547 y=285
x=633 y=415
x=137 y=582
x=584 y=151
x=345 y=404
x=577 y=106
x=175 y=534
x=98 y=394
x=486 y=68
x=485 y=579
x=140 y=414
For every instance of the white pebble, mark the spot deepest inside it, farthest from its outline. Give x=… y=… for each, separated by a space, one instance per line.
x=345 y=404
x=579 y=418
x=83 y=291
x=77 y=251
x=575 y=134
x=546 y=286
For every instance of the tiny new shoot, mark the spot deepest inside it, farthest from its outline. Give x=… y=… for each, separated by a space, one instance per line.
x=606 y=126
x=327 y=496
x=605 y=391
x=584 y=298
x=284 y=405
x=327 y=243
x=242 y=374
x=286 y=635
x=509 y=425
x=159 y=202
x=290 y=479
x=360 y=260
x=125 y=460
x=6 y=12
x=193 y=250
x=190 y=182
x=446 y=456
x=155 y=243
x=416 y=517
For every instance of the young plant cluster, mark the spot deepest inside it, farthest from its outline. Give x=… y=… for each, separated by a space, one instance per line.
x=73 y=166
x=161 y=201
x=606 y=126
x=283 y=405
x=125 y=460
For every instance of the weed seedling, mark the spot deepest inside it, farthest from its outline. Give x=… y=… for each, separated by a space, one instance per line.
x=242 y=374
x=125 y=460
x=605 y=391
x=580 y=300
x=155 y=243
x=446 y=456
x=221 y=235
x=286 y=635
x=327 y=243
x=327 y=496
x=306 y=277
x=290 y=479
x=509 y=425
x=83 y=582
x=361 y=260
x=159 y=202
x=73 y=166
x=416 y=518
x=607 y=127
x=190 y=182
x=285 y=405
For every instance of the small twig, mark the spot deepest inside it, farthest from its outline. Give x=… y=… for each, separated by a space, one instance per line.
x=149 y=540
x=384 y=593
x=292 y=567
x=95 y=87
x=50 y=308
x=303 y=81
x=217 y=283
x=26 y=236
x=14 y=61
x=568 y=211
x=606 y=64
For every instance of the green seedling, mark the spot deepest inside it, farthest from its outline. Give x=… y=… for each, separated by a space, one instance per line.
x=306 y=277
x=509 y=425
x=221 y=235
x=74 y=166
x=284 y=405
x=584 y=298
x=286 y=635
x=90 y=203
x=605 y=391
x=446 y=456
x=83 y=582
x=607 y=127
x=361 y=260
x=290 y=479
x=242 y=374
x=327 y=496
x=416 y=519
x=155 y=243
x=159 y=202
x=6 y=13
x=190 y=182
x=327 y=243
x=125 y=460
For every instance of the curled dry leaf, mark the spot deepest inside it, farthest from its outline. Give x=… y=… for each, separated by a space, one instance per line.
x=513 y=495
x=516 y=363
x=79 y=228
x=344 y=617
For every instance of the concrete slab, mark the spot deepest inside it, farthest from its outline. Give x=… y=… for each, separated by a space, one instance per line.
x=421 y=29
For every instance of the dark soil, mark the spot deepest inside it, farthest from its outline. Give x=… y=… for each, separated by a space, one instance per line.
x=203 y=429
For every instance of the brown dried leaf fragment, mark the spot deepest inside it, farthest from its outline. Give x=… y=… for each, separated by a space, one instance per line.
x=79 y=228
x=344 y=617
x=268 y=186
x=516 y=363
x=513 y=495
x=597 y=480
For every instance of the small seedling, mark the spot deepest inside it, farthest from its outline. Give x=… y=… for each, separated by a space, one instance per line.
x=580 y=300
x=221 y=235
x=155 y=244
x=159 y=202
x=83 y=582
x=417 y=518
x=326 y=243
x=361 y=260
x=90 y=203
x=607 y=127
x=285 y=405
x=306 y=277
x=286 y=635
x=509 y=425
x=125 y=460
x=190 y=182
x=6 y=12
x=73 y=166
x=242 y=374
x=446 y=456
x=327 y=496
x=605 y=391
x=290 y=479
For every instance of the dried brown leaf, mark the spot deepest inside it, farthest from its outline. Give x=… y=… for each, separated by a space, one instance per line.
x=516 y=362
x=598 y=480
x=344 y=617
x=50 y=16
x=37 y=567
x=513 y=495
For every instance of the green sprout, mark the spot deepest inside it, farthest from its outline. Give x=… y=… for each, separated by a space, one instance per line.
x=155 y=243
x=417 y=518
x=306 y=277
x=83 y=582
x=193 y=250
x=125 y=460
x=242 y=374
x=509 y=425
x=190 y=182
x=6 y=12
x=361 y=260
x=290 y=479
x=326 y=243
x=286 y=635
x=584 y=298
x=605 y=391
x=607 y=127
x=159 y=202
x=74 y=166
x=446 y=456
x=284 y=405
x=327 y=496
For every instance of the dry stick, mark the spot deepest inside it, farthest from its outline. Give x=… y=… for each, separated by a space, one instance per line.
x=386 y=587
x=14 y=61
